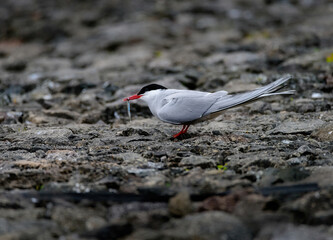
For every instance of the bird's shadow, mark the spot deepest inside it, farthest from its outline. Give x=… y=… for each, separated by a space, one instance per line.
x=183 y=137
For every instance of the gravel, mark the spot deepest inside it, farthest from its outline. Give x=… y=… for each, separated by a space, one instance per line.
x=73 y=166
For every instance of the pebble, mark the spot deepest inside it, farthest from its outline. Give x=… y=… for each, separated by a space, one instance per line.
x=180 y=205
x=324 y=133
x=291 y=231
x=73 y=166
x=195 y=161
x=289 y=127
x=207 y=225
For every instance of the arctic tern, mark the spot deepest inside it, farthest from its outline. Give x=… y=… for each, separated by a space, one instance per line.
x=187 y=107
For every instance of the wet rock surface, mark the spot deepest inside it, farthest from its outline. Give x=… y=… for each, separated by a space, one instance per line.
x=72 y=165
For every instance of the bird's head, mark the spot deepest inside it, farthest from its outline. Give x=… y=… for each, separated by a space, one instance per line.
x=145 y=91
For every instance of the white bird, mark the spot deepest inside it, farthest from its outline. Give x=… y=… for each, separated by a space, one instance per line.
x=186 y=107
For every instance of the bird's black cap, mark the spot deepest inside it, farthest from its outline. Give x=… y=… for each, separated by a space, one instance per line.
x=150 y=87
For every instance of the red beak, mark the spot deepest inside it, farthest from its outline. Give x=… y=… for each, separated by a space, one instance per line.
x=132 y=97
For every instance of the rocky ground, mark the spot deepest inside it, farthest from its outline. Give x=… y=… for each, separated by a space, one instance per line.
x=72 y=165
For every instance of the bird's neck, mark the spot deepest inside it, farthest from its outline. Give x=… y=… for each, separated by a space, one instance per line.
x=153 y=100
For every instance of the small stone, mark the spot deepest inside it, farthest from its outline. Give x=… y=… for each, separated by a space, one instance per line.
x=72 y=218
x=95 y=222
x=324 y=133
x=225 y=203
x=26 y=229
x=11 y=117
x=236 y=58
x=36 y=118
x=62 y=155
x=259 y=107
x=321 y=175
x=305 y=127
x=62 y=113
x=305 y=150
x=160 y=154
x=129 y=158
x=272 y=175
x=40 y=154
x=262 y=159
x=216 y=132
x=180 y=205
x=195 y=161
x=296 y=161
x=303 y=105
x=91 y=117
x=316 y=95
x=207 y=226
x=159 y=64
x=26 y=164
x=323 y=217
x=15 y=65
x=239 y=86
x=46 y=136
x=115 y=35
x=291 y=231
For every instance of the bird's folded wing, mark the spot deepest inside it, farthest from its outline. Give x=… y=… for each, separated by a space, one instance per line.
x=181 y=107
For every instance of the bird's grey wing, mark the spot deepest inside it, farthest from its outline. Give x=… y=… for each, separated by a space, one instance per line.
x=186 y=106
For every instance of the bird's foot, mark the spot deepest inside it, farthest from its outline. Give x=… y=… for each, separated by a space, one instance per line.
x=177 y=135
x=184 y=130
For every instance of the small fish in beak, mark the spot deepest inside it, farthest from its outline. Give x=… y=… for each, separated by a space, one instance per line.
x=129 y=109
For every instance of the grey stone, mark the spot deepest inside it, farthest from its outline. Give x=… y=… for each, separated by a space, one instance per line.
x=306 y=60
x=324 y=132
x=43 y=135
x=26 y=229
x=195 y=161
x=321 y=175
x=304 y=105
x=62 y=155
x=272 y=176
x=95 y=222
x=322 y=217
x=296 y=161
x=305 y=150
x=292 y=232
x=72 y=219
x=289 y=127
x=259 y=107
x=235 y=86
x=111 y=36
x=207 y=225
x=233 y=58
x=62 y=113
x=15 y=65
x=129 y=158
x=180 y=205
x=259 y=159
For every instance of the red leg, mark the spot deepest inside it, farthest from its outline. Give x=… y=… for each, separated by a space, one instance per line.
x=180 y=133
x=184 y=130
